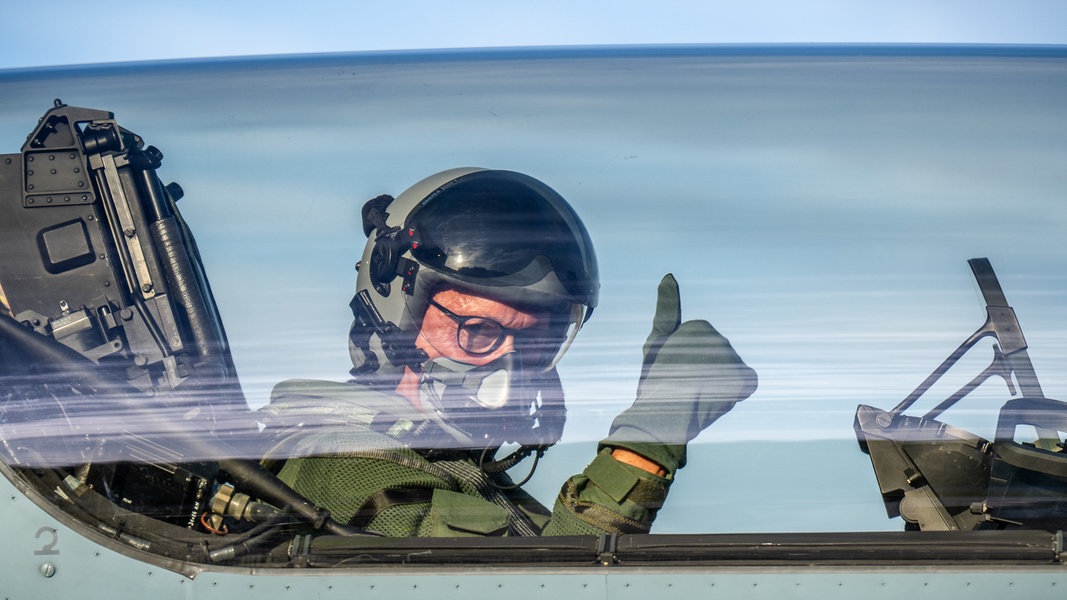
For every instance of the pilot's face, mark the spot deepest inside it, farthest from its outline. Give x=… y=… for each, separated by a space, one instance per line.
x=471 y=325
x=441 y=335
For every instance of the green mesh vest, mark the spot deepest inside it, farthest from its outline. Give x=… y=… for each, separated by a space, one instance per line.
x=344 y=448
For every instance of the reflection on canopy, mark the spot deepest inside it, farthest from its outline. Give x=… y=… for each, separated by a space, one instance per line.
x=817 y=208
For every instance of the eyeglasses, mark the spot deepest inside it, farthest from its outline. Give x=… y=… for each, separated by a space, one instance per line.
x=481 y=335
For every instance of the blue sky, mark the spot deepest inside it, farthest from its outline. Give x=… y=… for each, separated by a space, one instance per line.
x=75 y=32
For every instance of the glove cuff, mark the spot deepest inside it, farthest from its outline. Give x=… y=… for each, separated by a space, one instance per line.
x=669 y=456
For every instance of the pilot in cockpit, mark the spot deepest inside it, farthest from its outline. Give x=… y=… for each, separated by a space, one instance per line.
x=472 y=285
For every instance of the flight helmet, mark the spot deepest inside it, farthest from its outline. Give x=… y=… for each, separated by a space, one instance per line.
x=500 y=234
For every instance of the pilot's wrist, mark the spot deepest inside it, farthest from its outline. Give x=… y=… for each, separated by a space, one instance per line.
x=636 y=460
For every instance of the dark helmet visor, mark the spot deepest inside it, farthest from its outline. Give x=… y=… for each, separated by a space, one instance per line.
x=491 y=225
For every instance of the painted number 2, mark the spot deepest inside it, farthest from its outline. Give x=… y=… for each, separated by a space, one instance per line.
x=51 y=539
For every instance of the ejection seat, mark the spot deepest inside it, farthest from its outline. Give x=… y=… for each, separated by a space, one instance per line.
x=942 y=478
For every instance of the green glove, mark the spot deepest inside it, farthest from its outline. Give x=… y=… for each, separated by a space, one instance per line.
x=691 y=377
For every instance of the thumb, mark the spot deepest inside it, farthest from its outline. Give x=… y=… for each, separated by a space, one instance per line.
x=668 y=307
x=668 y=316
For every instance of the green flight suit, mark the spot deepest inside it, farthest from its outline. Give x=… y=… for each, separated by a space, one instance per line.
x=354 y=462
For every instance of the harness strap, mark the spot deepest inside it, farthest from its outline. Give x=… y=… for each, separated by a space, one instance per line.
x=388 y=498
x=519 y=523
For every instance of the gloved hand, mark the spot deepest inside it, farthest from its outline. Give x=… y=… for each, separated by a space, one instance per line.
x=691 y=377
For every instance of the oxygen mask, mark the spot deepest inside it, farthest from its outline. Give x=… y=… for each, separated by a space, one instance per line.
x=486 y=402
